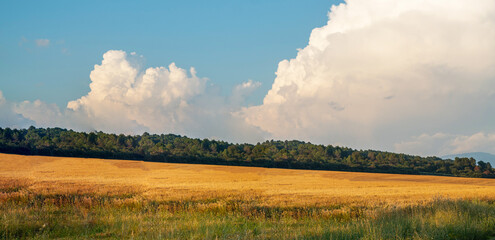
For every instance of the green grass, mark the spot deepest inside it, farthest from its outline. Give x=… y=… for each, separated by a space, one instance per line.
x=70 y=216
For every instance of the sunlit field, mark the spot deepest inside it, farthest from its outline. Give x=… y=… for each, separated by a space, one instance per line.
x=45 y=197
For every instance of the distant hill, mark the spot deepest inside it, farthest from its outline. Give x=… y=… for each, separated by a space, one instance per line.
x=479 y=156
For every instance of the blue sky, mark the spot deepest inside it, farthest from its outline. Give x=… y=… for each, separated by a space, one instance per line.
x=407 y=76
x=226 y=41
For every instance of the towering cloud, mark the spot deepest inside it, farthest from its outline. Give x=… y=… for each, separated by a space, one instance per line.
x=401 y=75
x=382 y=71
x=125 y=99
x=122 y=98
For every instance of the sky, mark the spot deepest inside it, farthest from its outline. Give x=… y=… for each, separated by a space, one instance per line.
x=416 y=77
x=51 y=47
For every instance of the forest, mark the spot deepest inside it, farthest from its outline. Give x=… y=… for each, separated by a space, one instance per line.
x=273 y=154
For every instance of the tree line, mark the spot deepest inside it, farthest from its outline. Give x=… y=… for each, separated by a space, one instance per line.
x=274 y=154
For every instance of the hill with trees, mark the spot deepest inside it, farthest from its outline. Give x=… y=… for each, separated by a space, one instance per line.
x=481 y=156
x=274 y=154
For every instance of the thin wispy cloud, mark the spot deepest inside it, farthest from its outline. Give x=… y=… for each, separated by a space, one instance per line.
x=42 y=42
x=22 y=41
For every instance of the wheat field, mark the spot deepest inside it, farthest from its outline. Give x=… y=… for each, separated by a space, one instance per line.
x=277 y=186
x=116 y=198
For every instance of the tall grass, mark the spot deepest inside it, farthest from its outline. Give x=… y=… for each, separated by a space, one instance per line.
x=24 y=214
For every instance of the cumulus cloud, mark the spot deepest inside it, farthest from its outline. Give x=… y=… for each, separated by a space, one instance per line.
x=42 y=42
x=444 y=144
x=242 y=91
x=9 y=117
x=123 y=98
x=47 y=115
x=479 y=142
x=381 y=71
x=411 y=76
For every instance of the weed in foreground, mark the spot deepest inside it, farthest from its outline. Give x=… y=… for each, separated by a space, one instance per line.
x=124 y=216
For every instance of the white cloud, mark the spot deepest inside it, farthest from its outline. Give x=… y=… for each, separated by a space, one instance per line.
x=412 y=76
x=42 y=42
x=157 y=99
x=47 y=115
x=382 y=71
x=479 y=142
x=437 y=144
x=9 y=118
x=125 y=99
x=242 y=91
x=2 y=98
x=440 y=144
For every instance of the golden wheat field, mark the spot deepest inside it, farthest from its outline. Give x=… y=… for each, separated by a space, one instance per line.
x=167 y=181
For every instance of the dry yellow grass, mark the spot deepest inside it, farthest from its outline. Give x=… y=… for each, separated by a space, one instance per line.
x=167 y=181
